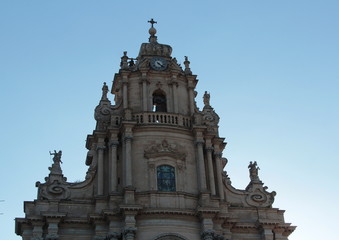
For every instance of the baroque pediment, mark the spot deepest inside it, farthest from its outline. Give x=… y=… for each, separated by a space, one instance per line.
x=164 y=149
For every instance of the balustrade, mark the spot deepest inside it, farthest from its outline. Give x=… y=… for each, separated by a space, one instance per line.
x=162 y=118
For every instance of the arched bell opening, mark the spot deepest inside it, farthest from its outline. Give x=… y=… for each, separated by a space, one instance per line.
x=159 y=101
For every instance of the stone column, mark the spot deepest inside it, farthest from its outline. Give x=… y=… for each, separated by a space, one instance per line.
x=201 y=166
x=219 y=171
x=210 y=170
x=100 y=150
x=113 y=167
x=128 y=161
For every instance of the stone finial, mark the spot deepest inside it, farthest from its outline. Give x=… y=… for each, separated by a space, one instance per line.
x=187 y=66
x=104 y=92
x=124 y=63
x=152 y=31
x=253 y=168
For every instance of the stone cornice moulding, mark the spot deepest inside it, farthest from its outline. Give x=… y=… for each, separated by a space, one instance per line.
x=164 y=149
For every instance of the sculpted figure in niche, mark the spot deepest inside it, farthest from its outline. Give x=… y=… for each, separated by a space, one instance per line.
x=253 y=168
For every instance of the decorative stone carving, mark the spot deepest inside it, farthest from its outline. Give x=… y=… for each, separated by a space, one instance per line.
x=56 y=185
x=226 y=179
x=173 y=65
x=207 y=235
x=257 y=196
x=164 y=149
x=156 y=49
x=129 y=233
x=113 y=236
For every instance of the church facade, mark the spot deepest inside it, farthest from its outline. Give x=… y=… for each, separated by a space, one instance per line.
x=155 y=168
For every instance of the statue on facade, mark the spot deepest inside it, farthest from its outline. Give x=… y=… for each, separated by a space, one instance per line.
x=104 y=91
x=57 y=156
x=253 y=168
x=207 y=99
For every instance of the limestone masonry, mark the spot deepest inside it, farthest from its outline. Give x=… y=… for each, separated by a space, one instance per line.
x=155 y=168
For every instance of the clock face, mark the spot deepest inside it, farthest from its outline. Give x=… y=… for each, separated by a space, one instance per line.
x=158 y=63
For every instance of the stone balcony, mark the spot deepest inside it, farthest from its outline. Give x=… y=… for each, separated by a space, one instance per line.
x=163 y=118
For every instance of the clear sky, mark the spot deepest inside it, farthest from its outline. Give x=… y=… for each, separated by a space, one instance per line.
x=271 y=67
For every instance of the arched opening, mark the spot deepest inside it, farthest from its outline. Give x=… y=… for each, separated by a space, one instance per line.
x=170 y=236
x=159 y=101
x=166 y=178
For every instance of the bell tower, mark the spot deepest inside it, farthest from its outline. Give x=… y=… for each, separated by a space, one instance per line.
x=154 y=81
x=155 y=167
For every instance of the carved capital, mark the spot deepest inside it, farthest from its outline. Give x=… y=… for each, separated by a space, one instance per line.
x=101 y=148
x=128 y=139
x=209 y=149
x=114 y=144
x=218 y=154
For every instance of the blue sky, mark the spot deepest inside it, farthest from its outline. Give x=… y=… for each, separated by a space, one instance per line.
x=271 y=68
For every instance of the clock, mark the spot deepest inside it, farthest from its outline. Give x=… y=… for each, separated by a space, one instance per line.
x=158 y=63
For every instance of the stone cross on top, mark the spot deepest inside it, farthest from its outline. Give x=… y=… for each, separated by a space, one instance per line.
x=152 y=22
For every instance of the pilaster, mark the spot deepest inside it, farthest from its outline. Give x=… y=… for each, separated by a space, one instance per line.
x=209 y=151
x=218 y=172
x=125 y=89
x=174 y=93
x=100 y=150
x=144 y=91
x=201 y=166
x=113 y=145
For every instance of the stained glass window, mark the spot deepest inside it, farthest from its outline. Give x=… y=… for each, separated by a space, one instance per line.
x=166 y=178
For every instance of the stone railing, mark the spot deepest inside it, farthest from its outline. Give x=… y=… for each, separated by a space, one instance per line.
x=163 y=118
